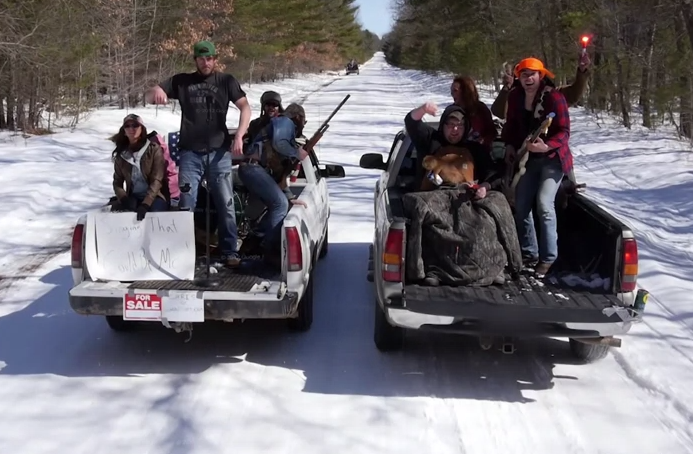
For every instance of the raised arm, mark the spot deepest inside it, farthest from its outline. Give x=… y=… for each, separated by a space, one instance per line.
x=419 y=131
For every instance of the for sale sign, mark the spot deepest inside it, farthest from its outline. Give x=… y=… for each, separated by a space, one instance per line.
x=141 y=307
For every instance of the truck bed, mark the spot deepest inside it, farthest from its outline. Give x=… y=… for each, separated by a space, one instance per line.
x=588 y=242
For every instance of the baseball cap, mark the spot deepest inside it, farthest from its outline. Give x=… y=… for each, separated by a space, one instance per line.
x=204 y=49
x=457 y=114
x=133 y=117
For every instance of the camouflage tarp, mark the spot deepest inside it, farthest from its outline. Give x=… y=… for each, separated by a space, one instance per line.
x=459 y=240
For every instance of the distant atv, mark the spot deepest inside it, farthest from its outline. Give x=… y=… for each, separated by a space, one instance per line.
x=352 y=67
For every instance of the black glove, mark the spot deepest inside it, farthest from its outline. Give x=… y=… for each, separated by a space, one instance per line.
x=127 y=204
x=141 y=211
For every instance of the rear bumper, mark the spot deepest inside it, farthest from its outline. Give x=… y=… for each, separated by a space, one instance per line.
x=483 y=318
x=217 y=305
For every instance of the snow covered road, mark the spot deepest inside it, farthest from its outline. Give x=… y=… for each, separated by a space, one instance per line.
x=68 y=383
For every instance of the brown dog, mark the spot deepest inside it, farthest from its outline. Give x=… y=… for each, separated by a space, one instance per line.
x=454 y=165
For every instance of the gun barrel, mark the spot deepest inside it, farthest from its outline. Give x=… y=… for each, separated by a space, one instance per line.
x=324 y=124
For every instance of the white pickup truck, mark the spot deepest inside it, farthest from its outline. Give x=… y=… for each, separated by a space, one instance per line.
x=591 y=242
x=261 y=294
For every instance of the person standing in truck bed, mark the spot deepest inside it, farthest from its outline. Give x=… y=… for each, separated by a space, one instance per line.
x=204 y=98
x=548 y=161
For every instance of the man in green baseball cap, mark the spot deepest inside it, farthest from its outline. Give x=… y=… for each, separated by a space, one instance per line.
x=204 y=49
x=204 y=98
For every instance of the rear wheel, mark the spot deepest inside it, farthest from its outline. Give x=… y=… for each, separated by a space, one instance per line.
x=305 y=310
x=387 y=337
x=323 y=249
x=588 y=353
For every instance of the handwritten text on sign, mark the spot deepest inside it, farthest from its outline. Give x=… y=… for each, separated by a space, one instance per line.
x=181 y=306
x=160 y=247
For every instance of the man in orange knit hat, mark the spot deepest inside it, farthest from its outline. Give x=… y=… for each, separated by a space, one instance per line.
x=572 y=92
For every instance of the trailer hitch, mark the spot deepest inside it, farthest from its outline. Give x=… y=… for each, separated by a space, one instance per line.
x=179 y=327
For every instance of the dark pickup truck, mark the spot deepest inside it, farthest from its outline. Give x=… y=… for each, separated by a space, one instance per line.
x=589 y=311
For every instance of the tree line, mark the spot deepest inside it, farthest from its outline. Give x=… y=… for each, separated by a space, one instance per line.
x=60 y=58
x=640 y=49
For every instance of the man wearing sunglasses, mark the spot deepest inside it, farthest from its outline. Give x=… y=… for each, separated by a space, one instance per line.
x=204 y=98
x=270 y=107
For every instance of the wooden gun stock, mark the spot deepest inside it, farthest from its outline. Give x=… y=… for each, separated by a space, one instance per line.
x=523 y=154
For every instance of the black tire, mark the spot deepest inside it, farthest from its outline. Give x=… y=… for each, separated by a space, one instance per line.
x=116 y=323
x=323 y=249
x=304 y=320
x=387 y=338
x=588 y=353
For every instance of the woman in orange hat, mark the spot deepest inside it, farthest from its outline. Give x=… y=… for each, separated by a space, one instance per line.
x=549 y=159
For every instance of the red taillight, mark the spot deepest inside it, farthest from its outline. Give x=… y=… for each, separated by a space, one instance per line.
x=77 y=244
x=629 y=274
x=392 y=256
x=293 y=247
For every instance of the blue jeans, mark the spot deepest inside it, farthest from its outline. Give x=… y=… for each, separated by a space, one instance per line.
x=220 y=185
x=540 y=183
x=261 y=185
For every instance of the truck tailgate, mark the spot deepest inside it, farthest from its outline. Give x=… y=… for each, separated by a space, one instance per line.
x=236 y=296
x=521 y=307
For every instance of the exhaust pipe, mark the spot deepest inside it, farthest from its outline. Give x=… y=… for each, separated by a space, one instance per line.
x=609 y=340
x=508 y=346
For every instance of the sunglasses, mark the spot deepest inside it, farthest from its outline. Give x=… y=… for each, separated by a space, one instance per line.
x=131 y=126
x=272 y=104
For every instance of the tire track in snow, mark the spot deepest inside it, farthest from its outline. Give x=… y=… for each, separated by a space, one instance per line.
x=683 y=428
x=663 y=397
x=647 y=236
x=25 y=266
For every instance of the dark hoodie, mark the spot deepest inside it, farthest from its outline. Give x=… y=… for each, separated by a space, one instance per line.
x=428 y=140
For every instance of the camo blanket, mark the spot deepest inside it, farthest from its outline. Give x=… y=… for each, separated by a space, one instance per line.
x=459 y=240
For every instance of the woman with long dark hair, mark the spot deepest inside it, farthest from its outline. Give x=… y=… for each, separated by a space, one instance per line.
x=139 y=165
x=482 y=129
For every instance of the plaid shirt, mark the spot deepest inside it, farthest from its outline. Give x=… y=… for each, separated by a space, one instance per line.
x=516 y=130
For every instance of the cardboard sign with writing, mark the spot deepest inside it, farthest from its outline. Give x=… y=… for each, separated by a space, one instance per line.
x=121 y=248
x=182 y=306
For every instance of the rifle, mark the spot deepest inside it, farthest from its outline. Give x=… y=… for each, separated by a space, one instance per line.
x=512 y=177
x=310 y=143
x=523 y=154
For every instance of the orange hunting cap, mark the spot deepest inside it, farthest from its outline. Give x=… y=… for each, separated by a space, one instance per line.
x=533 y=64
